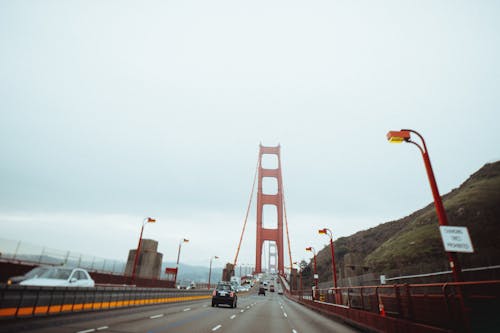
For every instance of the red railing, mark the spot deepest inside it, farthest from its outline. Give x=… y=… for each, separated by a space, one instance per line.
x=438 y=307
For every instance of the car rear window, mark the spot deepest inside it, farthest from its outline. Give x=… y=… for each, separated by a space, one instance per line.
x=224 y=287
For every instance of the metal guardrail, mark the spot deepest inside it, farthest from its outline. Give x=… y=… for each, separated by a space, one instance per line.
x=439 y=307
x=24 y=301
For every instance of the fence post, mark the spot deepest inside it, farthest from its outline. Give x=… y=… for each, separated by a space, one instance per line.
x=17 y=249
x=66 y=259
x=410 y=302
x=20 y=301
x=33 y=312
x=398 y=299
x=41 y=255
x=362 y=298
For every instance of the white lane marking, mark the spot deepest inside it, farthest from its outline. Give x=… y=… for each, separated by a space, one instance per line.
x=216 y=327
x=232 y=317
x=284 y=314
x=242 y=310
x=156 y=316
x=294 y=331
x=187 y=309
x=102 y=328
x=248 y=307
x=87 y=331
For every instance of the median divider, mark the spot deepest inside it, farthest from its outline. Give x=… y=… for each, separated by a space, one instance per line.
x=24 y=301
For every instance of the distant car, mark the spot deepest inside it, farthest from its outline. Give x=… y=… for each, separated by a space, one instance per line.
x=262 y=291
x=236 y=286
x=224 y=293
x=61 y=277
x=29 y=275
x=186 y=285
x=241 y=289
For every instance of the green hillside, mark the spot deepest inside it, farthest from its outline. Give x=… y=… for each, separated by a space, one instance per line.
x=412 y=245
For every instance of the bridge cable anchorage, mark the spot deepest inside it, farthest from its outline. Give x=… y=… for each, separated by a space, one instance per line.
x=248 y=211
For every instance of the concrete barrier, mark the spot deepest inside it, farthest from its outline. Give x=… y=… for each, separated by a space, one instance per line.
x=24 y=301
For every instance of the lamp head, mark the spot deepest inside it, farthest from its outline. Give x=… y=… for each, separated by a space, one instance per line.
x=322 y=231
x=309 y=248
x=398 y=136
x=151 y=220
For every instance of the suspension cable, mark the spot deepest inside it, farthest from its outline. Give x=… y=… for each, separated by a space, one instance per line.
x=286 y=224
x=248 y=211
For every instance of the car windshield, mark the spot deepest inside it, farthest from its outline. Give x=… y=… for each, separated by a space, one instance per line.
x=35 y=272
x=56 y=273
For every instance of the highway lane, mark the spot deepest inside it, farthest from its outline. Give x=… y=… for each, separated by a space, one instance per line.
x=270 y=313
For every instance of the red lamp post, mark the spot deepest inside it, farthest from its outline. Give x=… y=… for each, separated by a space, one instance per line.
x=311 y=249
x=404 y=135
x=326 y=231
x=184 y=240
x=210 y=270
x=136 y=257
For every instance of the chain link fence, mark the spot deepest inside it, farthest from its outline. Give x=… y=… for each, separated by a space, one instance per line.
x=26 y=252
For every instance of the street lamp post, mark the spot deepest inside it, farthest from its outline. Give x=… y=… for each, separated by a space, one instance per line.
x=184 y=240
x=136 y=258
x=210 y=270
x=326 y=231
x=311 y=249
x=404 y=135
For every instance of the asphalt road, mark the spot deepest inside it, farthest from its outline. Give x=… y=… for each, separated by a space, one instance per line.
x=271 y=313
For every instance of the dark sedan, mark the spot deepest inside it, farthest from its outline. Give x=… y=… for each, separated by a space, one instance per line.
x=224 y=294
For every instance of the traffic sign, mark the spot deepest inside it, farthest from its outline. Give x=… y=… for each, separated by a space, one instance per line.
x=456 y=239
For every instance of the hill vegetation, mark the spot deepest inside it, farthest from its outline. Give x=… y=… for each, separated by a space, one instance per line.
x=412 y=245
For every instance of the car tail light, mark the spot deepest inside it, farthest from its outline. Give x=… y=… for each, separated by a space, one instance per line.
x=214 y=293
x=231 y=294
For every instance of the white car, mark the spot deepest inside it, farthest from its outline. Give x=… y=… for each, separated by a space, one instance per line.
x=61 y=277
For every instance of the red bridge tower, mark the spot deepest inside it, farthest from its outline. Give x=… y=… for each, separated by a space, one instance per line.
x=276 y=199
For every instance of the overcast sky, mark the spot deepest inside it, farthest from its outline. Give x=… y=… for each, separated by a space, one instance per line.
x=111 y=111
